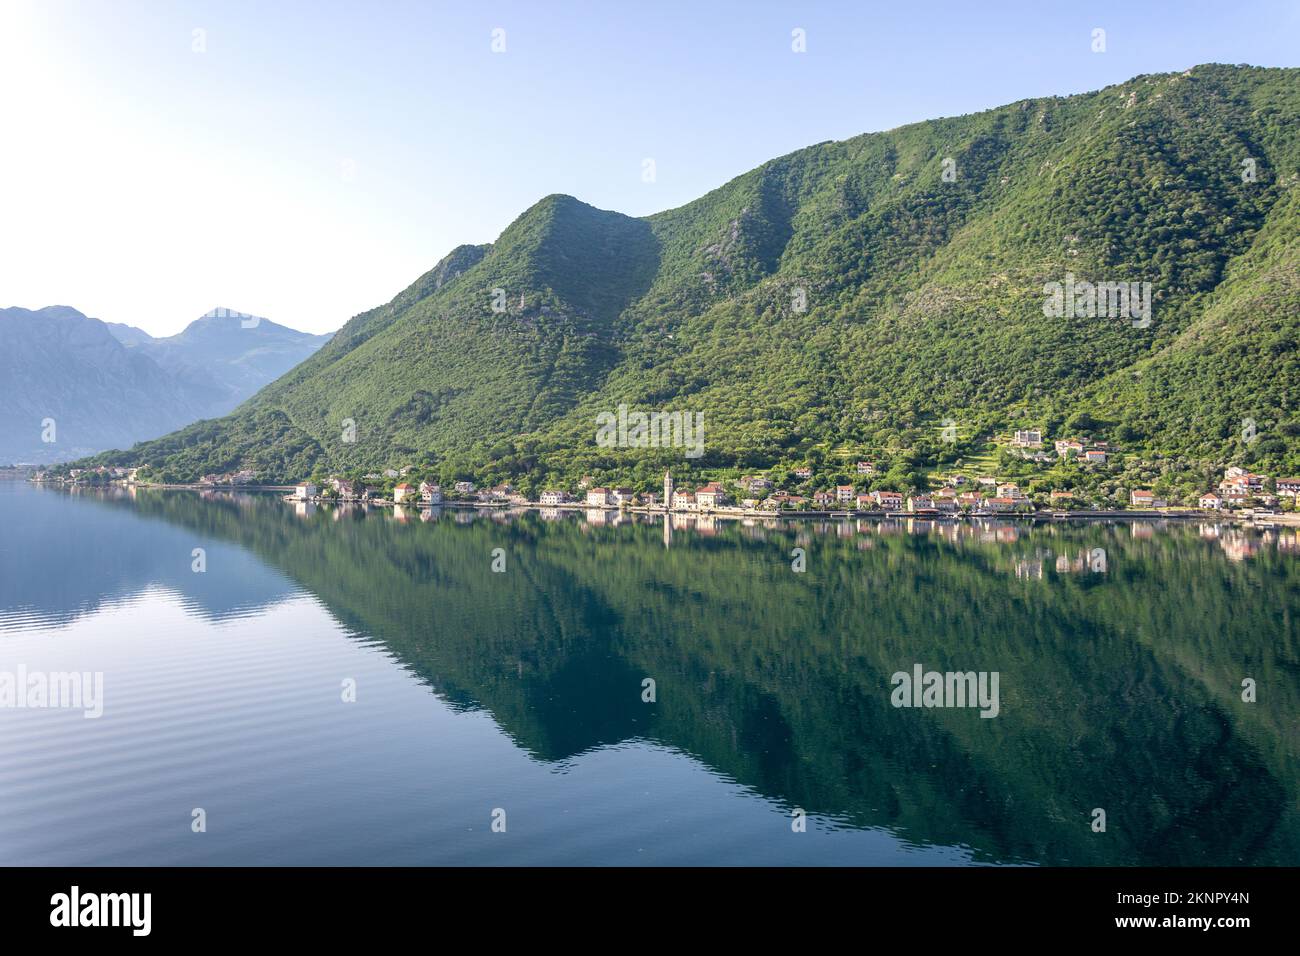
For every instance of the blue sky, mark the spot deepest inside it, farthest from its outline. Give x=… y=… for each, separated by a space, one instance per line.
x=307 y=161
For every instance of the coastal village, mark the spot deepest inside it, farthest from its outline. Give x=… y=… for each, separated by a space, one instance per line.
x=1226 y=528
x=995 y=507
x=954 y=493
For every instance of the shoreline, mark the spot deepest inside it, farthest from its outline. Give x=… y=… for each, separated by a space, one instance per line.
x=737 y=514
x=1289 y=519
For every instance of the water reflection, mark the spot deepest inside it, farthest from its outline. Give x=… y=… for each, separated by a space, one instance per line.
x=1121 y=647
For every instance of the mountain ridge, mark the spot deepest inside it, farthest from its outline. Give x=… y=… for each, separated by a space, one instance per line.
x=72 y=385
x=231 y=352
x=920 y=255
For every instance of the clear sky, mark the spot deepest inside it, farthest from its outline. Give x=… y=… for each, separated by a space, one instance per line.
x=307 y=161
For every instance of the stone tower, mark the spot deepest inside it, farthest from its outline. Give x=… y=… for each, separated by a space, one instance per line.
x=668 y=489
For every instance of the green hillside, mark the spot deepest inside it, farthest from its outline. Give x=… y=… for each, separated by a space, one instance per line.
x=922 y=301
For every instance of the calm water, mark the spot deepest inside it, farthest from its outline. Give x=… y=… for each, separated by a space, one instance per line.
x=1121 y=652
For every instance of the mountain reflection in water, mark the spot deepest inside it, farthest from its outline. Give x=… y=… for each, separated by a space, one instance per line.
x=1121 y=650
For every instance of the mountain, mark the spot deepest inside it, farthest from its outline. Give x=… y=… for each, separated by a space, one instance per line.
x=129 y=335
x=64 y=376
x=230 y=352
x=855 y=298
x=103 y=385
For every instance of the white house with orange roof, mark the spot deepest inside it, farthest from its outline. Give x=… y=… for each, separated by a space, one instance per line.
x=710 y=496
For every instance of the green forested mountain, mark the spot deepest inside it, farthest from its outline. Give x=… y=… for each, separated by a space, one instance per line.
x=845 y=300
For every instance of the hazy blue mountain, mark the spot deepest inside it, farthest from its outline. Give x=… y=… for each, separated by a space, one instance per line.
x=129 y=334
x=228 y=351
x=63 y=376
x=71 y=385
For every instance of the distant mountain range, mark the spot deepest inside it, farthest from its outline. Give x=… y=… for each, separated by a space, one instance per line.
x=1123 y=264
x=232 y=353
x=90 y=385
